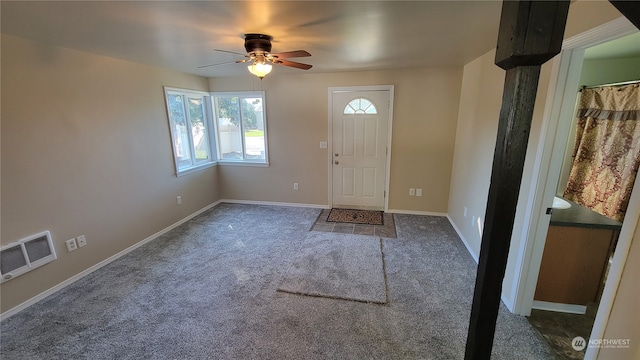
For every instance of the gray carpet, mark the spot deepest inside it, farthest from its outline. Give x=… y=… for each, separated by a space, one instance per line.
x=338 y=266
x=208 y=290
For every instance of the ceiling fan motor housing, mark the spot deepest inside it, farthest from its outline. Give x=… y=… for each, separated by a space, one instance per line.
x=257 y=42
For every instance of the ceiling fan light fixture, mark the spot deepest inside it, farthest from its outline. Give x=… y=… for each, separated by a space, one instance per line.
x=259 y=69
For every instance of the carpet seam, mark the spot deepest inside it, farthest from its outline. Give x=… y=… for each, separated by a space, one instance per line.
x=384 y=273
x=316 y=295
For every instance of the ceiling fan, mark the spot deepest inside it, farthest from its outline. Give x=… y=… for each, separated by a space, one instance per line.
x=259 y=54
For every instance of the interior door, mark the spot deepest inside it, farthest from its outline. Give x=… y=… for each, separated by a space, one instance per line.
x=359 y=148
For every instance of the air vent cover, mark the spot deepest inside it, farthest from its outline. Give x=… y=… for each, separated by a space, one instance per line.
x=25 y=255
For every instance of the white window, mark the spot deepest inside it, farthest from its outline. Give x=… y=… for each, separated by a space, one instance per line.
x=360 y=106
x=190 y=123
x=241 y=127
x=207 y=128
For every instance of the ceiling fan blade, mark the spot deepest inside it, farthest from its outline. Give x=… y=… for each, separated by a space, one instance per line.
x=230 y=52
x=294 y=64
x=291 y=54
x=224 y=63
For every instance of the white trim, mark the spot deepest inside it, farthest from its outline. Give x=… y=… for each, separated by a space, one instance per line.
x=464 y=241
x=473 y=255
x=242 y=163
x=549 y=156
x=558 y=307
x=336 y=89
x=600 y=34
x=273 y=203
x=416 y=212
x=97 y=266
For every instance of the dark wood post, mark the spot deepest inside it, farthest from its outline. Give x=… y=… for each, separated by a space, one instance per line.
x=630 y=9
x=530 y=34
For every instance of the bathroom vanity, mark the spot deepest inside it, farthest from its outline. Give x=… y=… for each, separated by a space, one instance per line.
x=575 y=259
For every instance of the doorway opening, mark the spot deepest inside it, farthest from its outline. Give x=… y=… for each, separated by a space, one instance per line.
x=562 y=311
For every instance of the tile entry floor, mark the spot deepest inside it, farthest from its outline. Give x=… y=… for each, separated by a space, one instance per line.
x=388 y=230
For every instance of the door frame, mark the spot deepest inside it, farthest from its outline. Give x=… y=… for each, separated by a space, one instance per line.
x=561 y=100
x=331 y=91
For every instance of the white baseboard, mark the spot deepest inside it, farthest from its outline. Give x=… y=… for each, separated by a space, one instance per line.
x=274 y=203
x=464 y=241
x=97 y=266
x=507 y=302
x=558 y=307
x=415 y=212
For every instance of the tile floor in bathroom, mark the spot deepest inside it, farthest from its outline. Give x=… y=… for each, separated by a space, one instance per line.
x=559 y=329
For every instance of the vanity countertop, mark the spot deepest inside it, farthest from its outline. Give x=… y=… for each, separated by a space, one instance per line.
x=580 y=216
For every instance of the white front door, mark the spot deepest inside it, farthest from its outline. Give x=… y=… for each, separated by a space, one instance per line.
x=359 y=148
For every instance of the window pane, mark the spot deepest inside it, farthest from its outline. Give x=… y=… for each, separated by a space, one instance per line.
x=198 y=129
x=178 y=121
x=253 y=124
x=360 y=106
x=228 y=115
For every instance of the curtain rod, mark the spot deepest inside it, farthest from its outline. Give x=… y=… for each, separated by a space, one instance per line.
x=612 y=84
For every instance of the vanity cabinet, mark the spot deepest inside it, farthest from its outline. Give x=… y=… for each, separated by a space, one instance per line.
x=576 y=256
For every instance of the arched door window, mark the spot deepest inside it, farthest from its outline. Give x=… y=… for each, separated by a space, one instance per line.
x=360 y=106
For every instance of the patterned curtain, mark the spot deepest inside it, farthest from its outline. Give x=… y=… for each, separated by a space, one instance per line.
x=607 y=150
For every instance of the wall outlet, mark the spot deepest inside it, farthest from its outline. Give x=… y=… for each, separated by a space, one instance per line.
x=82 y=241
x=71 y=245
x=295 y=186
x=418 y=192
x=412 y=192
x=179 y=200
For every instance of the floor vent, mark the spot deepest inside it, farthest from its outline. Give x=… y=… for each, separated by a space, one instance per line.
x=25 y=255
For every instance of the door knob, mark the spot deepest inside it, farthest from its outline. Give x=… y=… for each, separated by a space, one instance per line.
x=336 y=154
x=336 y=162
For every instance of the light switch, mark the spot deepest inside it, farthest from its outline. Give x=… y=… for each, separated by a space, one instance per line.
x=323 y=144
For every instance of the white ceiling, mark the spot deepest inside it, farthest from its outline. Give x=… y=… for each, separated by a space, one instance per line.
x=340 y=35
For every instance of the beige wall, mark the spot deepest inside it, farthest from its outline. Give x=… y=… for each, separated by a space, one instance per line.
x=480 y=101
x=424 y=123
x=625 y=314
x=86 y=151
x=479 y=110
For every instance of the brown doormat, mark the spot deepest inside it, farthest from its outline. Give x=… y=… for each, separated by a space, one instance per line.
x=367 y=217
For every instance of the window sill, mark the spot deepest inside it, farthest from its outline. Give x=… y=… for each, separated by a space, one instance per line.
x=242 y=163
x=196 y=168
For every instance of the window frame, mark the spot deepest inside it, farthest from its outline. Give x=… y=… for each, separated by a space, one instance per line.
x=196 y=164
x=240 y=162
x=212 y=130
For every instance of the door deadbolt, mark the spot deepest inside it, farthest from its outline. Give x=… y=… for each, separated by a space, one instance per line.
x=336 y=162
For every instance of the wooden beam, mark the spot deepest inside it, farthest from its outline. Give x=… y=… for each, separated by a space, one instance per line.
x=630 y=9
x=530 y=34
